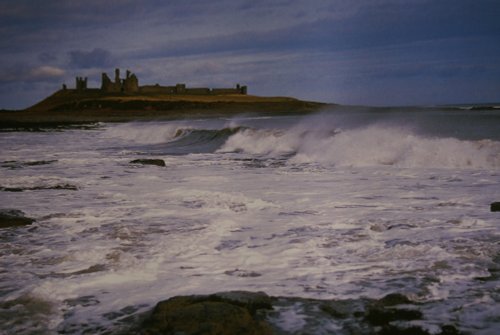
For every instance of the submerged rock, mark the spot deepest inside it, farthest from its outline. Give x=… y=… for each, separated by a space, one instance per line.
x=18 y=165
x=222 y=314
x=495 y=206
x=149 y=161
x=42 y=187
x=13 y=218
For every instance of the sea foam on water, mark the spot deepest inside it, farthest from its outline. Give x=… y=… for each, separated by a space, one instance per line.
x=332 y=206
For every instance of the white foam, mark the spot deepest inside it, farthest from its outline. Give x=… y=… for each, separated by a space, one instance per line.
x=147 y=132
x=262 y=142
x=379 y=145
x=210 y=223
x=375 y=145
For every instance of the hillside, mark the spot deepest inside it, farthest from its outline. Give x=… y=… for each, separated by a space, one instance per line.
x=72 y=106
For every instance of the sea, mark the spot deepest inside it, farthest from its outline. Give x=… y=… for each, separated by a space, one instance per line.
x=346 y=203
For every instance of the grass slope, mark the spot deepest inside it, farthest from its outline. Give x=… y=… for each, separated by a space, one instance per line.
x=70 y=106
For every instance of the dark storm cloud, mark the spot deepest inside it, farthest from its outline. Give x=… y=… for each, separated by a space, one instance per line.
x=315 y=49
x=46 y=57
x=373 y=26
x=89 y=59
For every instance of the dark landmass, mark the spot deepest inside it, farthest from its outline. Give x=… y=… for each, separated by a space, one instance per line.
x=149 y=161
x=72 y=107
x=14 y=218
x=495 y=206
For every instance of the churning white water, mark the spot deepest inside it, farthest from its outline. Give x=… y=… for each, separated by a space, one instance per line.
x=327 y=207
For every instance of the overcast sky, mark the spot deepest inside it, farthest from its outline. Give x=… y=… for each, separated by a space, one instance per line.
x=373 y=52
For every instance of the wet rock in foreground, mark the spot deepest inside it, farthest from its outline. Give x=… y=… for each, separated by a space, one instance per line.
x=222 y=314
x=13 y=218
x=149 y=161
x=240 y=312
x=495 y=206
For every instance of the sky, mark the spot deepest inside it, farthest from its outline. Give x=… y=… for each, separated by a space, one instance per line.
x=356 y=52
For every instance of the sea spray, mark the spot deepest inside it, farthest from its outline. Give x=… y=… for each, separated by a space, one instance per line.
x=335 y=141
x=147 y=132
x=378 y=145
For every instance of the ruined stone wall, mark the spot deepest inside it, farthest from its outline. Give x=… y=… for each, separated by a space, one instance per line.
x=157 y=89
x=108 y=86
x=128 y=85
x=131 y=85
x=81 y=83
x=198 y=91
x=225 y=91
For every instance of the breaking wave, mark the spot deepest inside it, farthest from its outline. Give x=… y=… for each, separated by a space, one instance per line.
x=147 y=132
x=324 y=140
x=373 y=145
x=172 y=138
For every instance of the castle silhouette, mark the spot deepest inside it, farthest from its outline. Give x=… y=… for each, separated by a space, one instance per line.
x=130 y=85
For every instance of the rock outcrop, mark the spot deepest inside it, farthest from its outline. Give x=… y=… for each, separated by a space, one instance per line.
x=240 y=312
x=222 y=314
x=13 y=218
x=495 y=207
x=149 y=161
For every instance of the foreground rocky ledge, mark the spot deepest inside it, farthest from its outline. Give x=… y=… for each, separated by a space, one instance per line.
x=253 y=313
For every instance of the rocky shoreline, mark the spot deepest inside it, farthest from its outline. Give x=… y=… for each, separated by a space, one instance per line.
x=256 y=313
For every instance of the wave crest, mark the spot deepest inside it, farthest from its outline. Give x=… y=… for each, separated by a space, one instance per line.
x=374 y=145
x=148 y=132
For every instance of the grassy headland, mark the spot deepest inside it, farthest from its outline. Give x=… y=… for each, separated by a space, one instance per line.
x=71 y=106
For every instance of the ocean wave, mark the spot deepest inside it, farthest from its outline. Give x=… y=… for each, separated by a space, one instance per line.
x=148 y=132
x=373 y=145
x=379 y=145
x=334 y=140
x=171 y=138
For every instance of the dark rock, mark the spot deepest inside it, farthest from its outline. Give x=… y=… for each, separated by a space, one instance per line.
x=43 y=187
x=253 y=301
x=392 y=330
x=383 y=316
x=382 y=311
x=13 y=218
x=335 y=310
x=241 y=312
x=242 y=273
x=12 y=189
x=449 y=330
x=149 y=161
x=18 y=165
x=495 y=206
x=394 y=299
x=223 y=313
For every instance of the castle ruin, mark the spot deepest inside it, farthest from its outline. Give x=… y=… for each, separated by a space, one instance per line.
x=81 y=83
x=130 y=85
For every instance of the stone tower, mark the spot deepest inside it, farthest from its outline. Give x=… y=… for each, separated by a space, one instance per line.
x=81 y=83
x=130 y=83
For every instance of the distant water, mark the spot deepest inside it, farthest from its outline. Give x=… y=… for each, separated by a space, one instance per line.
x=347 y=203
